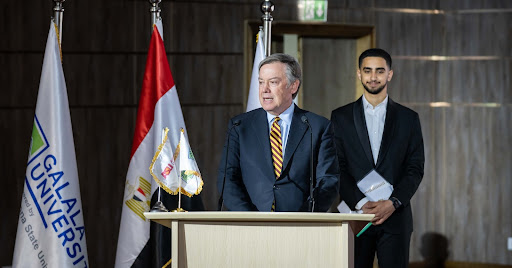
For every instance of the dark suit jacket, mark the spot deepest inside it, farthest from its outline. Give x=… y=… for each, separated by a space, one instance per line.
x=400 y=161
x=250 y=183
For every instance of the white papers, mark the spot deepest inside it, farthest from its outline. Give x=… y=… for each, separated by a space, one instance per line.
x=343 y=208
x=375 y=187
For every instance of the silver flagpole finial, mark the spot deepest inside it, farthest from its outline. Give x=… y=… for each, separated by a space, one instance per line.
x=155 y=11
x=266 y=8
x=58 y=13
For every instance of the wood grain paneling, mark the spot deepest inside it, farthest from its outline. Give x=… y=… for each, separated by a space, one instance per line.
x=406 y=4
x=350 y=15
x=465 y=194
x=94 y=79
x=397 y=32
x=214 y=33
x=462 y=195
x=103 y=139
x=329 y=74
x=208 y=79
x=413 y=81
x=23 y=32
x=16 y=128
x=465 y=4
x=207 y=126
x=467 y=81
x=491 y=29
x=20 y=77
x=106 y=25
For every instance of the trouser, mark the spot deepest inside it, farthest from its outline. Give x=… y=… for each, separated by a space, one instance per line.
x=392 y=249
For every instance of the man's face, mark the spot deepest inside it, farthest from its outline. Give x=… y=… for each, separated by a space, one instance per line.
x=275 y=93
x=374 y=74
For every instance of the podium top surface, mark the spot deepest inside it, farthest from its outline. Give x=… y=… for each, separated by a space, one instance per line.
x=257 y=216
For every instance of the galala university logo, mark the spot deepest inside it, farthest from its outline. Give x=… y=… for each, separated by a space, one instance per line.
x=38 y=141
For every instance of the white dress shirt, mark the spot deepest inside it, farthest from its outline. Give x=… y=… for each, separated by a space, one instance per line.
x=375 y=119
x=284 y=123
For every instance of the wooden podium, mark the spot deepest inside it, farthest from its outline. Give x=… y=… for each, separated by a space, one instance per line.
x=260 y=239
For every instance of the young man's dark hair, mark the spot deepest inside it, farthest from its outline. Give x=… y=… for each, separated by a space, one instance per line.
x=376 y=52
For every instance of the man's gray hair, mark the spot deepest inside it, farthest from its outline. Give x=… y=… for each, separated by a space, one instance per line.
x=293 y=71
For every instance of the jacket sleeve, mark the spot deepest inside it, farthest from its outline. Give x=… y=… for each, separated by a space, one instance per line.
x=413 y=167
x=229 y=179
x=327 y=173
x=349 y=192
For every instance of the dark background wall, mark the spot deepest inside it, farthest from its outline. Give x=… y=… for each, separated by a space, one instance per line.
x=457 y=52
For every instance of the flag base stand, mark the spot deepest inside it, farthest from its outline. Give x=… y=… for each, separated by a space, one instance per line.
x=159 y=207
x=179 y=210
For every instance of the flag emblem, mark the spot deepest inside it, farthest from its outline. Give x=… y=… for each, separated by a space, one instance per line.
x=139 y=197
x=38 y=141
x=51 y=228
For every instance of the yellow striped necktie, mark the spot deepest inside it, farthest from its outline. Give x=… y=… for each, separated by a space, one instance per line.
x=277 y=152
x=277 y=147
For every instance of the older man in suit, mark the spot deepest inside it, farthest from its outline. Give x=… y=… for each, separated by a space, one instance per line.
x=376 y=133
x=266 y=161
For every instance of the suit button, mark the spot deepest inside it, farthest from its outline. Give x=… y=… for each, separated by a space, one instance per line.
x=276 y=188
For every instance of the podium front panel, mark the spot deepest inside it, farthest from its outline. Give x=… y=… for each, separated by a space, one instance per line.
x=249 y=244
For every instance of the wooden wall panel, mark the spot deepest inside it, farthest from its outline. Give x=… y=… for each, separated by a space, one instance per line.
x=462 y=195
x=329 y=74
x=23 y=32
x=492 y=29
x=474 y=216
x=103 y=138
x=465 y=4
x=350 y=15
x=413 y=81
x=399 y=34
x=13 y=161
x=423 y=205
x=207 y=126
x=218 y=35
x=473 y=81
x=106 y=26
x=467 y=146
x=208 y=79
x=94 y=79
x=20 y=77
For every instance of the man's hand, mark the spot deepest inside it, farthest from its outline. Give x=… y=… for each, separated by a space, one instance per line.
x=382 y=210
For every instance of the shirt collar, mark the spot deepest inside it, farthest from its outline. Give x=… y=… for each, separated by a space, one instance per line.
x=285 y=116
x=368 y=105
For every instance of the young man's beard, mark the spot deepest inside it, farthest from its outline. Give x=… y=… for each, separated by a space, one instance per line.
x=375 y=91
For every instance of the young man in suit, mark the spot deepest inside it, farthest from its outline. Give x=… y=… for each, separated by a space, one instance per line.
x=376 y=133
x=266 y=161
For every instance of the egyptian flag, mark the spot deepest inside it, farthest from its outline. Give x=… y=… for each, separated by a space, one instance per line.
x=143 y=243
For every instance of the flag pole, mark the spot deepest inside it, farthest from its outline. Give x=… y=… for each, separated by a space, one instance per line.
x=266 y=8
x=159 y=206
x=155 y=11
x=179 y=209
x=58 y=13
x=155 y=16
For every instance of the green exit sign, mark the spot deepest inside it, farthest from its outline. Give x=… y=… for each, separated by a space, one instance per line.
x=312 y=10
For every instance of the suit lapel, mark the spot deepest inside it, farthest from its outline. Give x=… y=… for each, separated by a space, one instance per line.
x=389 y=128
x=260 y=127
x=295 y=135
x=362 y=130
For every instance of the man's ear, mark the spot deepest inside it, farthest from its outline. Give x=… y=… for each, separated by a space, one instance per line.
x=390 y=75
x=295 y=86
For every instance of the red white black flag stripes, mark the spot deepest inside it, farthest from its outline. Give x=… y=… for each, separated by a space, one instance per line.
x=159 y=107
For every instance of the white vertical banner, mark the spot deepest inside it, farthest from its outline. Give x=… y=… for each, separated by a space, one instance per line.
x=253 y=100
x=51 y=229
